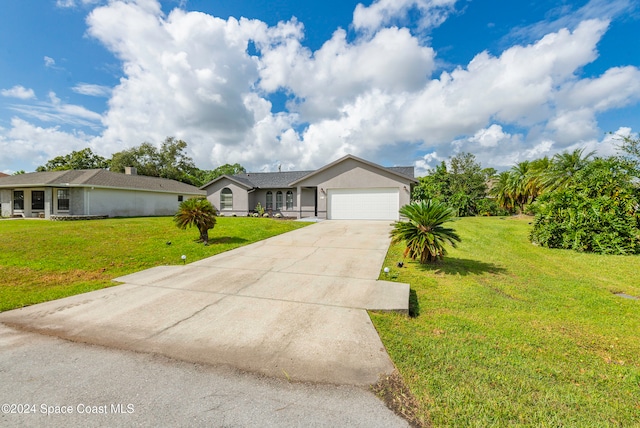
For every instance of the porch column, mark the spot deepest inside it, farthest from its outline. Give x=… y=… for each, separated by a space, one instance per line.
x=299 y=200
x=6 y=202
x=48 y=202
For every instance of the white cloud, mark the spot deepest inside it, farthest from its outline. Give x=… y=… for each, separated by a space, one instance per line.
x=92 y=90
x=339 y=72
x=29 y=146
x=566 y=18
x=427 y=162
x=49 y=62
x=383 y=12
x=19 y=91
x=617 y=87
x=56 y=111
x=74 y=3
x=490 y=137
x=185 y=75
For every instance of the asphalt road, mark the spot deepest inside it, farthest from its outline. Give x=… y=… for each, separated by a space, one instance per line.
x=98 y=386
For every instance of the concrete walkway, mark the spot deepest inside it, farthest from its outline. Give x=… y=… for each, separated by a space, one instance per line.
x=291 y=307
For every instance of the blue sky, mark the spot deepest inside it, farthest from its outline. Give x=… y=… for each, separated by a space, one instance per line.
x=299 y=84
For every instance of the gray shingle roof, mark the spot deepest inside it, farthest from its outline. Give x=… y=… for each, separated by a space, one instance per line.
x=404 y=170
x=275 y=180
x=265 y=180
x=98 y=178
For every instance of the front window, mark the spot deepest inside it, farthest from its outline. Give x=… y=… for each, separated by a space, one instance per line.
x=37 y=200
x=18 y=200
x=279 y=200
x=226 y=199
x=63 y=199
x=289 y=200
x=269 y=200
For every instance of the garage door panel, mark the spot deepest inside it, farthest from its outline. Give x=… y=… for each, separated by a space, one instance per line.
x=363 y=204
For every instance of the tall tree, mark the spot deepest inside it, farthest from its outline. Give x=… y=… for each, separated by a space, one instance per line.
x=518 y=184
x=205 y=176
x=81 y=159
x=502 y=192
x=169 y=161
x=468 y=184
x=435 y=185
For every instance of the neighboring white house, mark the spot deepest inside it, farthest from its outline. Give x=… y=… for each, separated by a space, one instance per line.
x=349 y=188
x=92 y=192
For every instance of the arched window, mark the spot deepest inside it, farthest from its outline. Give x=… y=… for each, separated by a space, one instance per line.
x=289 y=200
x=226 y=199
x=269 y=200
x=279 y=200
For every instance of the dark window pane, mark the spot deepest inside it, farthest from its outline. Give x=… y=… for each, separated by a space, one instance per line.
x=289 y=200
x=269 y=200
x=18 y=200
x=279 y=200
x=226 y=199
x=63 y=199
x=37 y=200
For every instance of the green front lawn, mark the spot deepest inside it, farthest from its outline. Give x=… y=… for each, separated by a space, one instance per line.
x=509 y=334
x=45 y=260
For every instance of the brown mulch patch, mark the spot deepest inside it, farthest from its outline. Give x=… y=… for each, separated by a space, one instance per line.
x=397 y=396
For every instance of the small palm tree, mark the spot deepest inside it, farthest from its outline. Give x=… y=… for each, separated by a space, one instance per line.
x=423 y=232
x=196 y=212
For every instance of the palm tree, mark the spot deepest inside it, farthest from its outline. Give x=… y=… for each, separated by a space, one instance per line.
x=196 y=212
x=563 y=168
x=500 y=190
x=518 y=184
x=537 y=169
x=423 y=232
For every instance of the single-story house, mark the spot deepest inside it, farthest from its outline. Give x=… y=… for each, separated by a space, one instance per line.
x=91 y=192
x=349 y=188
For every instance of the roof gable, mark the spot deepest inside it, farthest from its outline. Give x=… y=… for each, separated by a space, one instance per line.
x=235 y=178
x=399 y=171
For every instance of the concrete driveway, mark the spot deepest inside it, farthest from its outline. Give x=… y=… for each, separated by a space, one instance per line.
x=292 y=306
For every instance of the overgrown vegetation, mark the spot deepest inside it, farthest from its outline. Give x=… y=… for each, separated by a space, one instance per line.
x=42 y=260
x=462 y=185
x=509 y=334
x=599 y=211
x=581 y=202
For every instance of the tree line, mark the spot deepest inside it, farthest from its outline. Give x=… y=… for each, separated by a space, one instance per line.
x=580 y=201
x=168 y=161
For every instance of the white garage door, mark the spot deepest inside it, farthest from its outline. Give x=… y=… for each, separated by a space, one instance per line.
x=363 y=204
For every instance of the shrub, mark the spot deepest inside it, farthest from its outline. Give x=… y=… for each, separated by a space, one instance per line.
x=196 y=212
x=423 y=232
x=600 y=213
